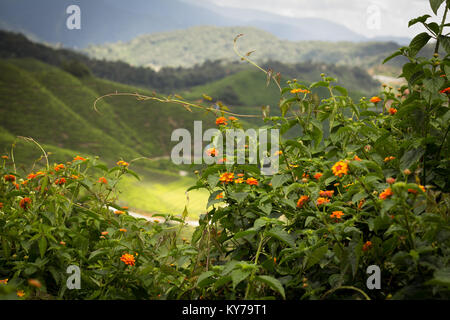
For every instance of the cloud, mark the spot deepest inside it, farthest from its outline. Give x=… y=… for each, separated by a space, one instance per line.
x=368 y=17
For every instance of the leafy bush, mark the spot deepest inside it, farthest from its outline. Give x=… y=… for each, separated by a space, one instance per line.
x=364 y=184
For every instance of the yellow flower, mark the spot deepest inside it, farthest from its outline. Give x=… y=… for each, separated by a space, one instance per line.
x=123 y=163
x=298 y=90
x=340 y=168
x=20 y=293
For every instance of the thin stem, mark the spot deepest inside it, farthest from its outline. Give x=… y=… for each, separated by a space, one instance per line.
x=346 y=287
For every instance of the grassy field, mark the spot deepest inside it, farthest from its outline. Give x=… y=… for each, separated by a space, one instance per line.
x=163 y=193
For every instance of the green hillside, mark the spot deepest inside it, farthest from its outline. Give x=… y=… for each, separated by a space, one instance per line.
x=56 y=109
x=197 y=44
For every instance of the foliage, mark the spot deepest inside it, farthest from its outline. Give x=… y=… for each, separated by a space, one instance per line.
x=364 y=183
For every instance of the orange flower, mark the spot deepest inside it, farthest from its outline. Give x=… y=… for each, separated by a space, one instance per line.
x=356 y=158
x=232 y=119
x=34 y=175
x=128 y=259
x=74 y=177
x=415 y=191
x=367 y=245
x=302 y=201
x=79 y=158
x=239 y=180
x=9 y=177
x=252 y=181
x=392 y=111
x=31 y=176
x=59 y=167
x=337 y=215
x=361 y=203
x=125 y=208
x=221 y=120
x=219 y=196
x=102 y=180
x=4 y=281
x=104 y=233
x=318 y=175
x=212 y=152
x=446 y=90
x=1 y=205
x=17 y=186
x=340 y=168
x=322 y=200
x=62 y=243
x=375 y=99
x=240 y=175
x=20 y=293
x=298 y=90
x=278 y=153
x=60 y=181
x=389 y=159
x=35 y=283
x=221 y=160
x=123 y=230
x=386 y=193
x=122 y=163
x=327 y=193
x=5 y=157
x=24 y=203
x=119 y=212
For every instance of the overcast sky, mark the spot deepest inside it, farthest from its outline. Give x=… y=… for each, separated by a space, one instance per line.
x=368 y=17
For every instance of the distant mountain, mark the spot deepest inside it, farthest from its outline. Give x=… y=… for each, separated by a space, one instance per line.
x=105 y=21
x=198 y=44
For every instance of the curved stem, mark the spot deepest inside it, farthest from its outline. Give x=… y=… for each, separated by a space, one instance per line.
x=346 y=287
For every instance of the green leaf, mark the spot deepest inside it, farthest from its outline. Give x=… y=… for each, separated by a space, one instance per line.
x=410 y=157
x=420 y=19
x=213 y=180
x=42 y=246
x=205 y=279
x=445 y=41
x=342 y=90
x=239 y=196
x=238 y=275
x=278 y=180
x=392 y=56
x=244 y=233
x=316 y=256
x=319 y=84
x=282 y=235
x=96 y=254
x=418 y=42
x=433 y=85
x=273 y=283
x=265 y=207
x=435 y=4
x=359 y=196
x=441 y=277
x=134 y=174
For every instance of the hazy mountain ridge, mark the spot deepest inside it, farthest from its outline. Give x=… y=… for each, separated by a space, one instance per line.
x=198 y=44
x=114 y=20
